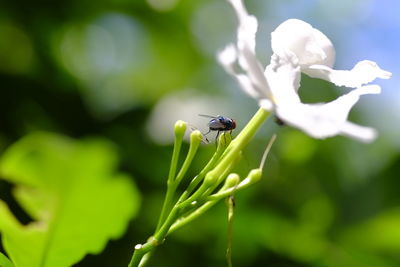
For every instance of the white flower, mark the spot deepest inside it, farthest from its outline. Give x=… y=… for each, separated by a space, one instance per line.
x=298 y=47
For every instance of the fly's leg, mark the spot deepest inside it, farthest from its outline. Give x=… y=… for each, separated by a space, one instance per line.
x=206 y=136
x=216 y=139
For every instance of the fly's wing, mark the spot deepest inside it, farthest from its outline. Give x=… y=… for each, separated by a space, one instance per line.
x=207 y=116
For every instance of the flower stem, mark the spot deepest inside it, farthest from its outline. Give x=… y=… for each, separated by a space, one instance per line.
x=231 y=213
x=241 y=140
x=173 y=183
x=196 y=180
x=180 y=128
x=229 y=156
x=169 y=219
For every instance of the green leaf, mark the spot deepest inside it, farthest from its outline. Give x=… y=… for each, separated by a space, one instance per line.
x=72 y=193
x=4 y=261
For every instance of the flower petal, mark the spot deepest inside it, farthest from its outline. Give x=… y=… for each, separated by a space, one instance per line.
x=283 y=74
x=247 y=26
x=362 y=133
x=227 y=58
x=326 y=120
x=363 y=72
x=309 y=44
x=254 y=71
x=247 y=59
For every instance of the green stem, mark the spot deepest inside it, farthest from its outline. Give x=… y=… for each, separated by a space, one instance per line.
x=169 y=198
x=241 y=140
x=227 y=192
x=175 y=157
x=230 y=154
x=203 y=172
x=170 y=223
x=158 y=238
x=170 y=182
x=140 y=251
x=189 y=158
x=231 y=213
x=221 y=177
x=195 y=214
x=172 y=185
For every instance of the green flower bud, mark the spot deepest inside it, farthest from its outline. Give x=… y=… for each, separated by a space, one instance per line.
x=180 y=129
x=255 y=175
x=232 y=180
x=224 y=139
x=196 y=137
x=210 y=179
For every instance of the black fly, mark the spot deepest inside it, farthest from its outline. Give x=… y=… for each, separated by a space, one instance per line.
x=220 y=124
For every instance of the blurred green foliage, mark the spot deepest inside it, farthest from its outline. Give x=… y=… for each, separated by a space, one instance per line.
x=98 y=68
x=4 y=261
x=70 y=191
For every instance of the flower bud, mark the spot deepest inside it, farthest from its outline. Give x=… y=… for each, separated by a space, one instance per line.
x=232 y=180
x=224 y=139
x=255 y=175
x=210 y=179
x=196 y=137
x=180 y=129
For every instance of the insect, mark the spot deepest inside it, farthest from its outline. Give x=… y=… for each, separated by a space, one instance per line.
x=220 y=124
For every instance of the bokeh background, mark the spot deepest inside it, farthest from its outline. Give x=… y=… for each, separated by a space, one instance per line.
x=126 y=70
